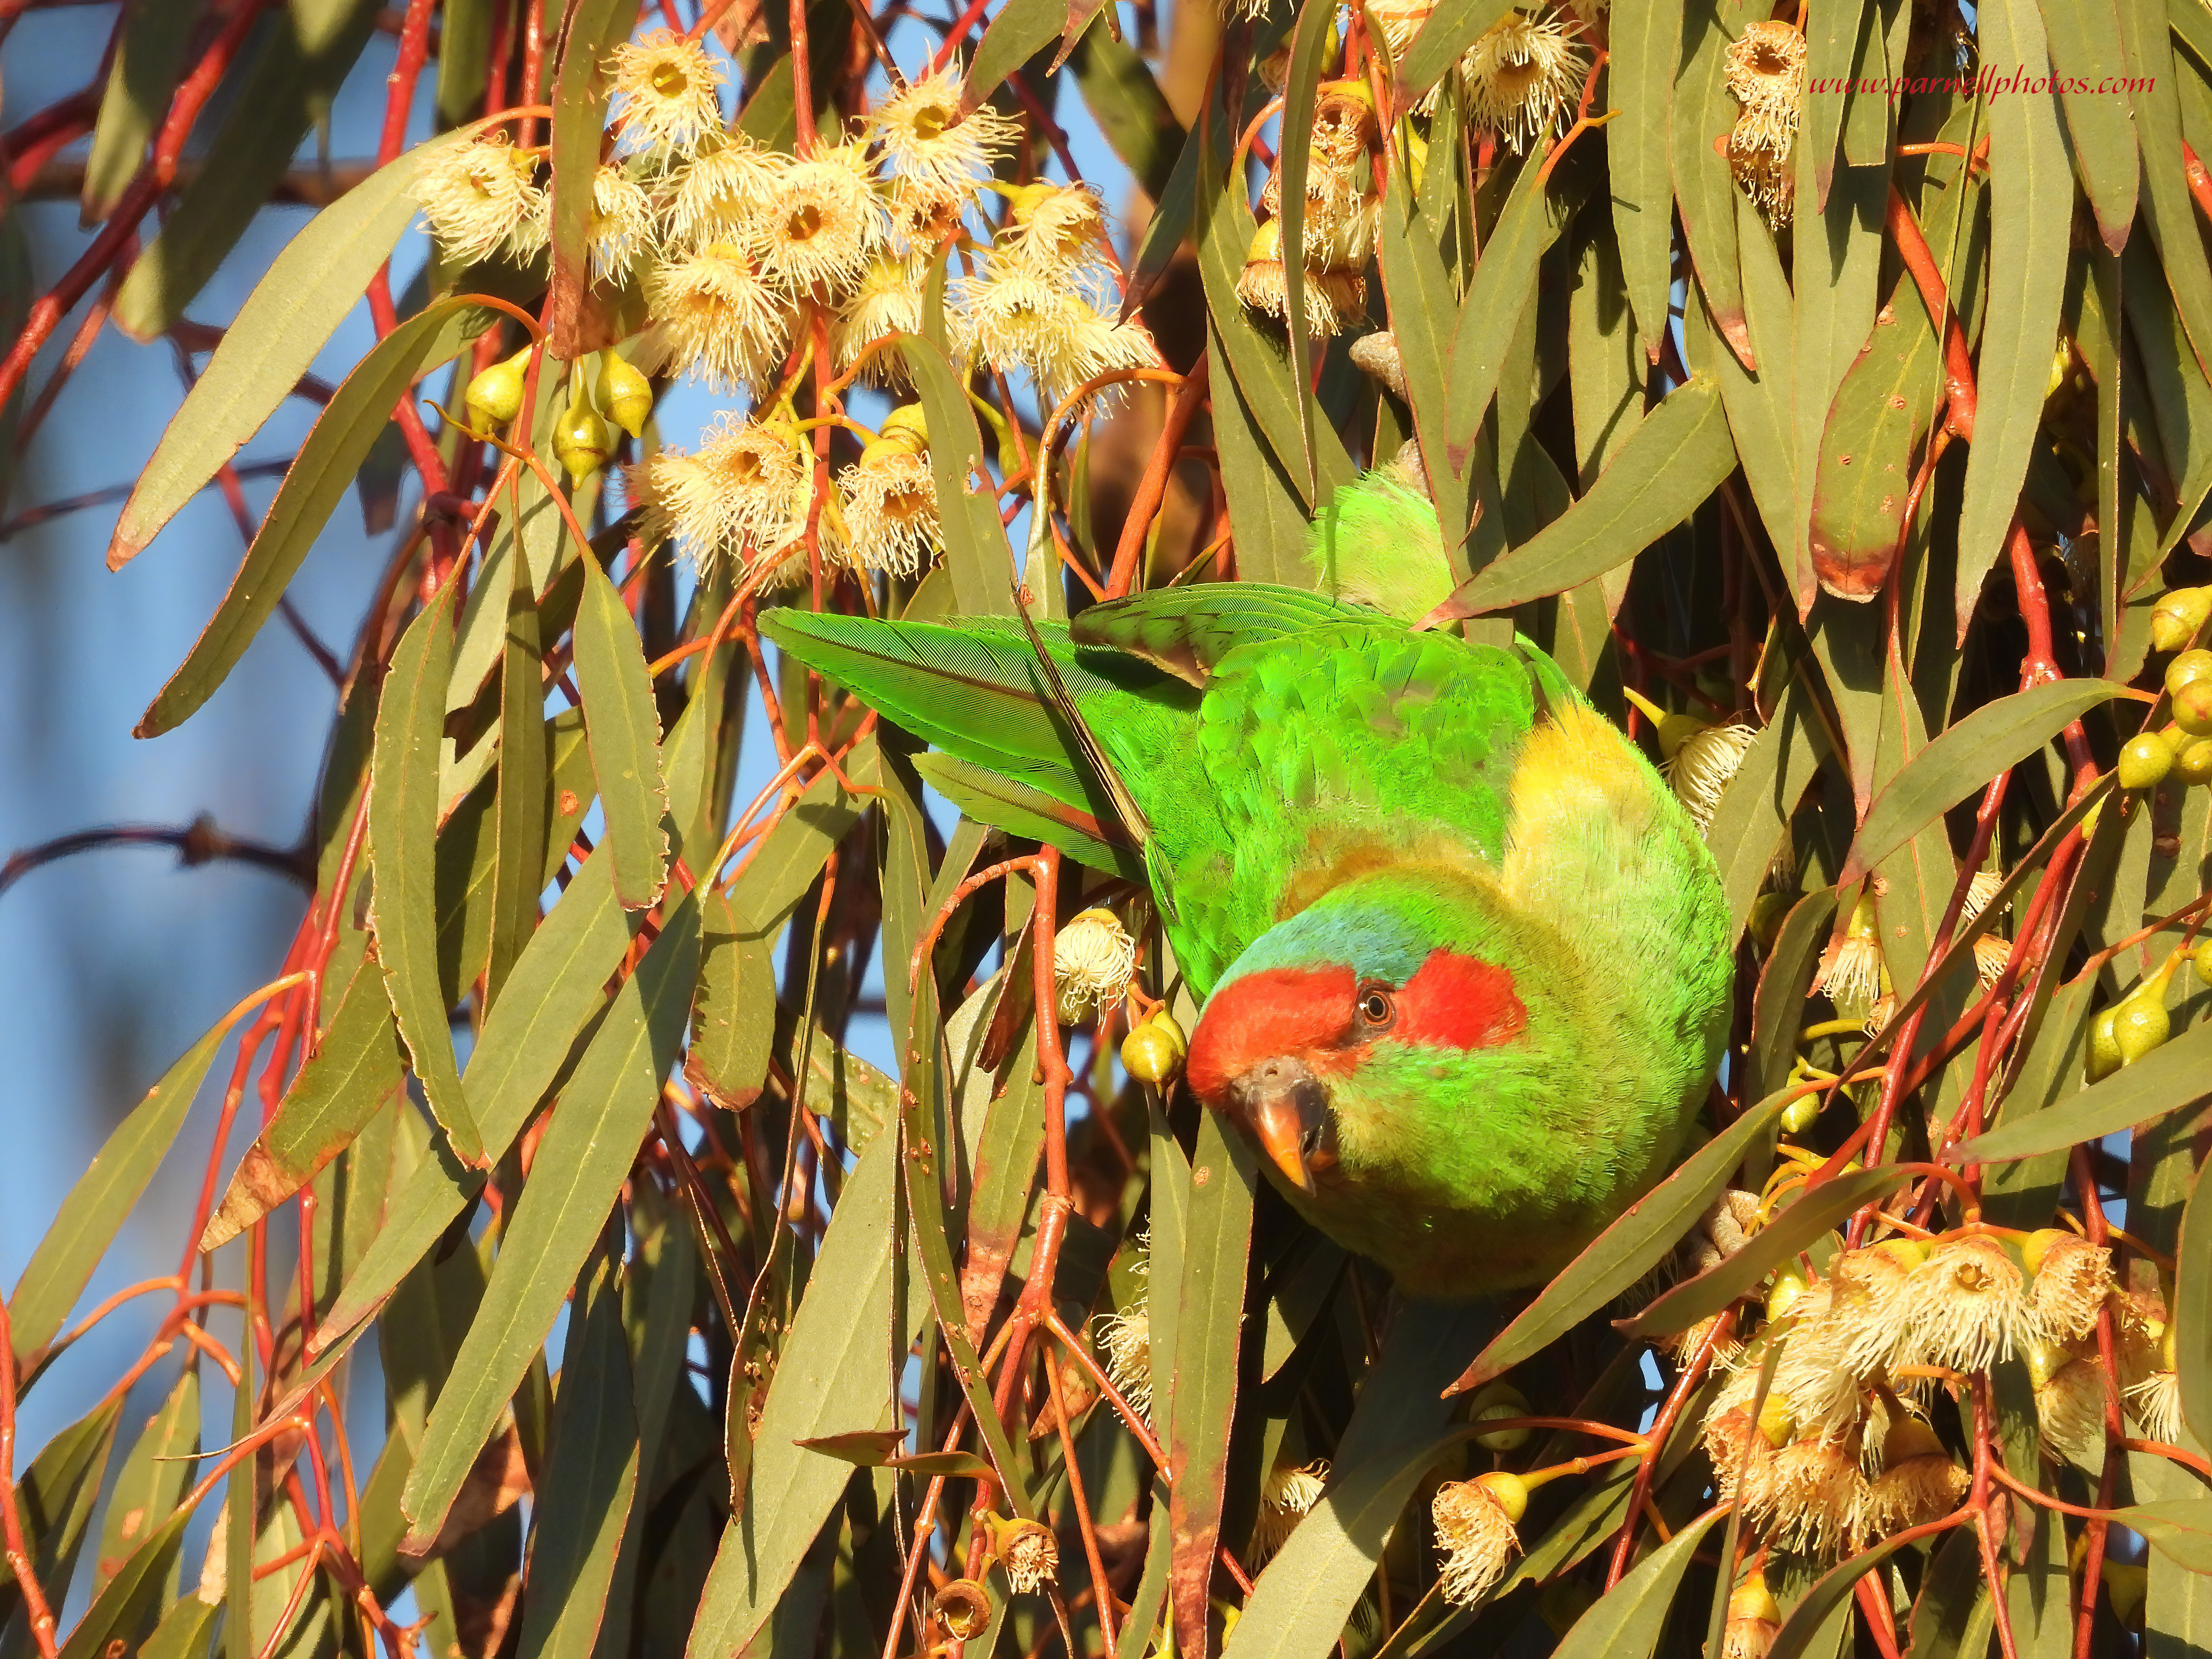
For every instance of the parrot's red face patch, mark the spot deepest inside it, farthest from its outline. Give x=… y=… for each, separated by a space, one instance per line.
x=1327 y=1017
x=1459 y=1002
x=1277 y=1012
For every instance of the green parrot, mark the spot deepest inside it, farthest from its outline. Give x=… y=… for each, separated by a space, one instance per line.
x=1462 y=959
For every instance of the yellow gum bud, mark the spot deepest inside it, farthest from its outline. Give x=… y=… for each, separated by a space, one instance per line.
x=1510 y=1492
x=624 y=394
x=581 y=441
x=494 y=397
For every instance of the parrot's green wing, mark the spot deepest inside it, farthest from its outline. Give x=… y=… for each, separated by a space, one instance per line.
x=1325 y=737
x=976 y=691
x=1186 y=630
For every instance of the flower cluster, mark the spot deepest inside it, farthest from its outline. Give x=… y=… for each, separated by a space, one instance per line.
x=1337 y=219
x=1816 y=1432
x=742 y=258
x=1767 y=78
x=1040 y=303
x=1522 y=75
x=1125 y=1338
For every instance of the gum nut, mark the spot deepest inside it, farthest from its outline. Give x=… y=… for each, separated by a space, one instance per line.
x=2144 y=762
x=2138 y=1028
x=2104 y=1045
x=2046 y=1359
x=908 y=422
x=1564 y=1601
x=2201 y=958
x=1148 y=1055
x=2175 y=620
x=1498 y=1401
x=2192 y=708
x=2125 y=1584
x=1782 y=1294
x=1164 y=1021
x=2187 y=669
x=1777 y=1421
x=1802 y=1114
x=1510 y=1492
x=2192 y=762
x=965 y=1607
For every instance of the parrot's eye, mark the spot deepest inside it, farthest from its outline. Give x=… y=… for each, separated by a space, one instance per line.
x=1377 y=1010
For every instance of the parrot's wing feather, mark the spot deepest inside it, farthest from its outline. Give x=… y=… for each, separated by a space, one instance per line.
x=990 y=797
x=1553 y=689
x=1103 y=768
x=956 y=688
x=1186 y=630
x=976 y=690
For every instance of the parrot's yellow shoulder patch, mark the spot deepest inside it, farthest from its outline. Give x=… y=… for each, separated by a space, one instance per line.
x=1578 y=777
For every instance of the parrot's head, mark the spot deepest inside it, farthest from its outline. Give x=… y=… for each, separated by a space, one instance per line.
x=1393 y=995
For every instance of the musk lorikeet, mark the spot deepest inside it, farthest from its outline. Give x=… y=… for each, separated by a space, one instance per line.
x=1462 y=958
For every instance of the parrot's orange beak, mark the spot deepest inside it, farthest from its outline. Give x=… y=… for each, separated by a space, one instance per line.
x=1285 y=1108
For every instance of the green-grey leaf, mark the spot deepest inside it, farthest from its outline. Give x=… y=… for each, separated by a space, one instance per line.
x=520 y=806
x=308 y=290
x=1299 y=1604
x=2176 y=1074
x=1452 y=28
x=1628 y=1621
x=1210 y=1301
x=149 y=54
x=1626 y=1250
x=101 y=1201
x=313 y=485
x=335 y=1094
x=2087 y=50
x=1502 y=288
x=1795 y=1227
x=1677 y=456
x=290 y=86
x=1700 y=116
x=1646 y=40
x=1809 y=1618
x=2192 y=1311
x=834 y=1375
x=2031 y=203
x=402 y=829
x=975 y=542
x=559 y=981
x=1958 y=761
x=588 y=1483
x=582 y=1163
x=152 y=1478
x=580 y=118
x=623 y=730
x=2180 y=1530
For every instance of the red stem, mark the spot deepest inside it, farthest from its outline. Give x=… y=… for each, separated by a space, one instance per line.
x=137 y=200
